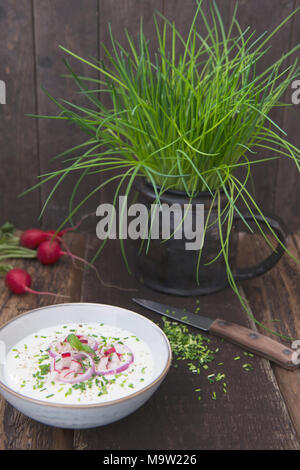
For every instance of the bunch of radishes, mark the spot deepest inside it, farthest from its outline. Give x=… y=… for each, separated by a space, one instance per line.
x=40 y=244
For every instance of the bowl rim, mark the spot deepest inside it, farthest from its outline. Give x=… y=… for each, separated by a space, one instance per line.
x=78 y=406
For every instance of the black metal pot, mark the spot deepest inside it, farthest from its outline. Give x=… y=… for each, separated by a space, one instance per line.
x=168 y=267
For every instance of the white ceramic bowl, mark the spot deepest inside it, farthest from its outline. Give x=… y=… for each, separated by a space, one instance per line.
x=81 y=416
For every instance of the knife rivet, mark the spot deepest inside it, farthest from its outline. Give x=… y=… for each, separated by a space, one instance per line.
x=287 y=352
x=291 y=363
x=253 y=335
x=223 y=323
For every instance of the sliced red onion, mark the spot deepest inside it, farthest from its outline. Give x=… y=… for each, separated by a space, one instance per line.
x=56 y=348
x=113 y=359
x=115 y=365
x=67 y=375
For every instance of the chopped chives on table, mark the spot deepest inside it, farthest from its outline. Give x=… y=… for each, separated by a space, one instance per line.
x=247 y=367
x=219 y=377
x=187 y=346
x=193 y=348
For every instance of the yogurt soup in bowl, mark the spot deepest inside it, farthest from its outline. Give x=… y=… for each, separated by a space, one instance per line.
x=81 y=365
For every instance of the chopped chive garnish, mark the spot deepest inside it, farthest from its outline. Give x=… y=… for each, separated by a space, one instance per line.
x=247 y=367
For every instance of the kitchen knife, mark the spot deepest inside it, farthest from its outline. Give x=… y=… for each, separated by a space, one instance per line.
x=251 y=340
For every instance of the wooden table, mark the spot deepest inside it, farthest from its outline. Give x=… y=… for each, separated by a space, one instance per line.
x=261 y=407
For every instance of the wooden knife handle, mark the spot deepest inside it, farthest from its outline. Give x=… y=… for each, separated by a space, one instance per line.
x=254 y=342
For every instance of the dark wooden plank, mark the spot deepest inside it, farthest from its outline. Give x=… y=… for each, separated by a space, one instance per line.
x=275 y=300
x=75 y=26
x=18 y=139
x=128 y=18
x=287 y=198
x=16 y=430
x=183 y=16
x=252 y=415
x=261 y=17
x=271 y=191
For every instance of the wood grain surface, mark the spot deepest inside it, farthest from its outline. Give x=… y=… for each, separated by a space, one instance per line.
x=251 y=415
x=261 y=407
x=74 y=27
x=275 y=299
x=19 y=162
x=30 y=32
x=286 y=201
x=16 y=430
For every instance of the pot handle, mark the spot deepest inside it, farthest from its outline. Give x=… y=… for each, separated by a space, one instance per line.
x=268 y=263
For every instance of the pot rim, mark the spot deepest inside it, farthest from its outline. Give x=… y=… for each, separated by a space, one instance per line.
x=146 y=188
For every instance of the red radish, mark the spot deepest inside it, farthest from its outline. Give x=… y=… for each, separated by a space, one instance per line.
x=53 y=232
x=49 y=252
x=33 y=237
x=19 y=282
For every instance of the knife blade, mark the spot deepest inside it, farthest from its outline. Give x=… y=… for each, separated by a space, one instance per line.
x=249 y=339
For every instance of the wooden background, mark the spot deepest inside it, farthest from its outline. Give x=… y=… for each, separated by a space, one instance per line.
x=30 y=32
